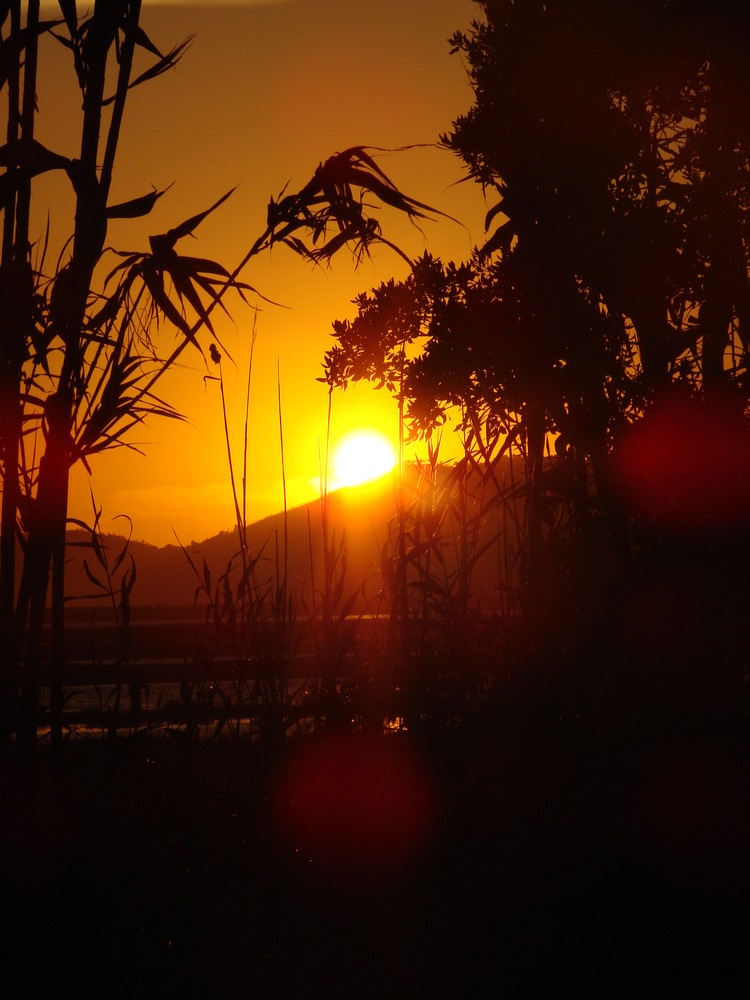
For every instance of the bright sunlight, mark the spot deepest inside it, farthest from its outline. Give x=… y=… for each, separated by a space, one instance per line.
x=362 y=455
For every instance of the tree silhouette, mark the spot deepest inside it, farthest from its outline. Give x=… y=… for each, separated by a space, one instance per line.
x=612 y=141
x=80 y=359
x=608 y=140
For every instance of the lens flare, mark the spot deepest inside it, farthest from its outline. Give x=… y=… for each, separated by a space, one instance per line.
x=686 y=465
x=356 y=808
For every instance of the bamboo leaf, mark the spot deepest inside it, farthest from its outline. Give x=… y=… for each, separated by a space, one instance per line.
x=131 y=260
x=128 y=582
x=125 y=613
x=155 y=284
x=31 y=157
x=204 y=266
x=167 y=62
x=335 y=243
x=98 y=551
x=142 y=39
x=181 y=278
x=124 y=550
x=107 y=313
x=167 y=240
x=81 y=524
x=136 y=207
x=96 y=582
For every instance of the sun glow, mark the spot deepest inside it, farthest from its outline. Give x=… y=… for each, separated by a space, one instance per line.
x=361 y=456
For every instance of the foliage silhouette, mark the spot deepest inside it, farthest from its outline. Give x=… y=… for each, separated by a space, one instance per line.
x=615 y=266
x=79 y=354
x=606 y=300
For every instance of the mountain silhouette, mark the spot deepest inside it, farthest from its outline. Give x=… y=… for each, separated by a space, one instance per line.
x=362 y=526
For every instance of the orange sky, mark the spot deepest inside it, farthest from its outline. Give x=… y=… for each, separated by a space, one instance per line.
x=265 y=93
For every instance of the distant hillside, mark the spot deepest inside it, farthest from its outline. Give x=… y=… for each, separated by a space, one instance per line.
x=164 y=575
x=363 y=514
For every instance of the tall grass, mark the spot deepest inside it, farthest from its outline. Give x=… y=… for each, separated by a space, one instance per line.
x=251 y=608
x=113 y=580
x=448 y=519
x=448 y=642
x=463 y=641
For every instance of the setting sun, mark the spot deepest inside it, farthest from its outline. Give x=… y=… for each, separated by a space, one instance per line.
x=362 y=455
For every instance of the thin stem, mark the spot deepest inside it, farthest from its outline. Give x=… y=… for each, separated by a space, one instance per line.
x=123 y=82
x=11 y=134
x=235 y=498
x=283 y=476
x=247 y=418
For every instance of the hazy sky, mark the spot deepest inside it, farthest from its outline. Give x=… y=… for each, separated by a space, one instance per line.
x=266 y=91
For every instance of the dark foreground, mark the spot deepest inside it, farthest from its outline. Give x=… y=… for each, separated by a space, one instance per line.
x=530 y=862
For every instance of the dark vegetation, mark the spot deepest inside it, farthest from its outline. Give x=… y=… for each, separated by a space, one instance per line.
x=548 y=795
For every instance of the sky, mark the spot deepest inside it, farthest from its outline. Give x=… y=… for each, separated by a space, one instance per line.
x=266 y=91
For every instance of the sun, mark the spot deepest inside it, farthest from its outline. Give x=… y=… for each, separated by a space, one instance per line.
x=361 y=456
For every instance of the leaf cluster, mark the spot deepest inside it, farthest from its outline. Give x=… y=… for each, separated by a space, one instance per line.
x=610 y=137
x=331 y=209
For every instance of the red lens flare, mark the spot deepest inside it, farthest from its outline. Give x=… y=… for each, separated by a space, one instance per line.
x=357 y=808
x=686 y=465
